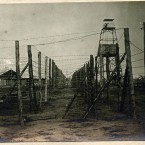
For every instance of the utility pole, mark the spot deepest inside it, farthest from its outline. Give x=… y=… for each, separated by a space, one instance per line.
x=19 y=83
x=130 y=75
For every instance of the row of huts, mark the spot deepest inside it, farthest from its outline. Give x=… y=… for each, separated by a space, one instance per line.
x=9 y=77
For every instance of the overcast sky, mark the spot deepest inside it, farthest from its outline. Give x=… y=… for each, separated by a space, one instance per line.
x=22 y=21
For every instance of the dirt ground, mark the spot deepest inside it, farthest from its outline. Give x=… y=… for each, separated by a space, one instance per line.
x=49 y=125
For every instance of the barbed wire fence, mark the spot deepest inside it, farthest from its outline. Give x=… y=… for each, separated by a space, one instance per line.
x=40 y=73
x=86 y=81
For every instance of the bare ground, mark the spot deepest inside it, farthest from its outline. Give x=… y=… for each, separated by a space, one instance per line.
x=49 y=125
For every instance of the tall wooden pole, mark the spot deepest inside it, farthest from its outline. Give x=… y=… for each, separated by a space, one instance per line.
x=53 y=73
x=60 y=79
x=108 y=75
x=124 y=91
x=80 y=80
x=85 y=87
x=91 y=80
x=33 y=100
x=130 y=75
x=46 y=78
x=56 y=76
x=96 y=74
x=144 y=45
x=19 y=83
x=87 y=83
x=84 y=80
x=117 y=59
x=103 y=88
x=101 y=69
x=50 y=71
x=39 y=77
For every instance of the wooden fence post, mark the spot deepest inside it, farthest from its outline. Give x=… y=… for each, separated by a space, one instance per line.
x=19 y=83
x=60 y=78
x=84 y=80
x=117 y=59
x=50 y=71
x=80 y=80
x=96 y=74
x=91 y=83
x=103 y=87
x=85 y=89
x=77 y=80
x=39 y=76
x=101 y=70
x=101 y=73
x=130 y=75
x=56 y=76
x=53 y=73
x=108 y=75
x=87 y=71
x=144 y=43
x=33 y=100
x=124 y=91
x=46 y=78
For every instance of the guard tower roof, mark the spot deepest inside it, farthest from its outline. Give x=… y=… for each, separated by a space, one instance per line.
x=108 y=24
x=108 y=20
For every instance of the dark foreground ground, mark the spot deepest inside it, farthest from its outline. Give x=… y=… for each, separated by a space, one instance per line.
x=48 y=125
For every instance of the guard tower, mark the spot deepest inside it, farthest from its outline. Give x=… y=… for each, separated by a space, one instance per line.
x=108 y=51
